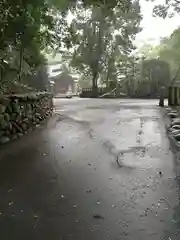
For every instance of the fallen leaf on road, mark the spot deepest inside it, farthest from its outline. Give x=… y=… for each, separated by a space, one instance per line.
x=145 y=213
x=98 y=216
x=88 y=190
x=62 y=196
x=11 y=203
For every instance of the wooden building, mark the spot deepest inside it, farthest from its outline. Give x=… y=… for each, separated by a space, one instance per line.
x=62 y=83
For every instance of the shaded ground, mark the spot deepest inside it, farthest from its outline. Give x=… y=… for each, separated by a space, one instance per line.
x=100 y=169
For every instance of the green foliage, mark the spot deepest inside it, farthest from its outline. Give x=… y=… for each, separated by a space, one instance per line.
x=144 y=77
x=171 y=48
x=157 y=72
x=101 y=35
x=168 y=50
x=24 y=22
x=110 y=4
x=168 y=9
x=27 y=28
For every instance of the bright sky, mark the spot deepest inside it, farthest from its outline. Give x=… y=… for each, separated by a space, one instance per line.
x=154 y=28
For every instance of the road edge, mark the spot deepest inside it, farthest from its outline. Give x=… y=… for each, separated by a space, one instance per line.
x=174 y=145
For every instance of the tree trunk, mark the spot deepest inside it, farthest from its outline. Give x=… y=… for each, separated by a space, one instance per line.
x=1 y=70
x=94 y=86
x=107 y=79
x=117 y=89
x=20 y=63
x=107 y=83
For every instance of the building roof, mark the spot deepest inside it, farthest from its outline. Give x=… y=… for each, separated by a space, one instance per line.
x=62 y=76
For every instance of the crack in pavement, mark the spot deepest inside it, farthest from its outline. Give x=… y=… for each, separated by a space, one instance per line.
x=111 y=149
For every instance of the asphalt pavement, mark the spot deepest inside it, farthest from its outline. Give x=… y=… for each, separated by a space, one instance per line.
x=98 y=170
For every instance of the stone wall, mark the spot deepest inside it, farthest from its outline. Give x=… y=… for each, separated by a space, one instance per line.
x=22 y=113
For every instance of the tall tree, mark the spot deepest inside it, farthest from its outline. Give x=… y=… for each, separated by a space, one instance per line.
x=27 y=28
x=169 y=51
x=101 y=34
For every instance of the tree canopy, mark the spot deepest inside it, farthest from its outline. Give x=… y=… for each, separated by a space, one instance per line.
x=30 y=27
x=168 y=50
x=100 y=35
x=25 y=30
x=168 y=9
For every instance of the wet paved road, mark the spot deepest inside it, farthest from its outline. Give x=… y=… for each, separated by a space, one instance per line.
x=93 y=172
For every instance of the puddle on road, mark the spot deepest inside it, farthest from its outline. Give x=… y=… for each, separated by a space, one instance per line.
x=136 y=138
x=136 y=142
x=151 y=134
